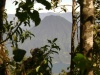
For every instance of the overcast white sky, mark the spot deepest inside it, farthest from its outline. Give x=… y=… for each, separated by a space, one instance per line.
x=11 y=7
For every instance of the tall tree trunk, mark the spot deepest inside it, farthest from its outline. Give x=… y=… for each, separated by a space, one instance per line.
x=3 y=56
x=86 y=30
x=74 y=26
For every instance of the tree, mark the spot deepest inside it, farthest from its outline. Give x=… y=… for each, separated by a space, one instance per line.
x=3 y=55
x=74 y=26
x=14 y=32
x=86 y=30
x=86 y=27
x=25 y=12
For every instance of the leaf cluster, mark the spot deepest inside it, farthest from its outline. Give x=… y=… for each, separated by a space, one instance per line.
x=41 y=60
x=26 y=11
x=81 y=63
x=18 y=54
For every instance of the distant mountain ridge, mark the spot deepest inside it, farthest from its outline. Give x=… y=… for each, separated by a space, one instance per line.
x=67 y=15
x=51 y=26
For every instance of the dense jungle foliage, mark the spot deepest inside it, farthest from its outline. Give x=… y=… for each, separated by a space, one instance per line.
x=40 y=62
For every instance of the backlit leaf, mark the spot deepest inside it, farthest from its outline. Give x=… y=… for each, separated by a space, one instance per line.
x=18 y=54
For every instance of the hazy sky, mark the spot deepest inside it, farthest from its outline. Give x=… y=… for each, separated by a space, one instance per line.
x=11 y=7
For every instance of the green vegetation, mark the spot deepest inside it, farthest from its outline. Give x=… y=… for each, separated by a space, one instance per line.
x=40 y=62
x=85 y=59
